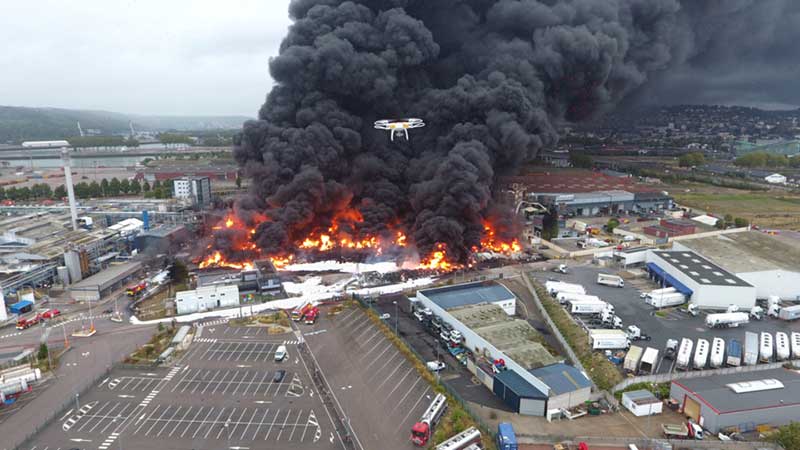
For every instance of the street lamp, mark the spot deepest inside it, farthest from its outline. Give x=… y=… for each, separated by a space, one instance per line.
x=77 y=403
x=395 y=316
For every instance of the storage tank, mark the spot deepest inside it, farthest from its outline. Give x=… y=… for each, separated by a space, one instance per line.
x=63 y=275
x=782 y=348
x=701 y=354
x=765 y=347
x=684 y=354
x=717 y=352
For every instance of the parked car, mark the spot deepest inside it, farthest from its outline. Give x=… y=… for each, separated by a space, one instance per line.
x=385 y=316
x=435 y=366
x=278 y=377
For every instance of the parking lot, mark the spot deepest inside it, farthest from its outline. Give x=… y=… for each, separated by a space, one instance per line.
x=380 y=391
x=674 y=324
x=226 y=391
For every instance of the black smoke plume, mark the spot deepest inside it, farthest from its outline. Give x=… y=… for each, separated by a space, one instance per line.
x=491 y=78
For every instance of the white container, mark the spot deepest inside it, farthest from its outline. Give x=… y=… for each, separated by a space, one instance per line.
x=701 y=354
x=765 y=347
x=717 y=352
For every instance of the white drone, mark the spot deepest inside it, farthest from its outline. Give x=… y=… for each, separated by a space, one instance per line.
x=398 y=127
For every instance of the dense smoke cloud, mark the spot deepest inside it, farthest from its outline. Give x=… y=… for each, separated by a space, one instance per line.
x=489 y=77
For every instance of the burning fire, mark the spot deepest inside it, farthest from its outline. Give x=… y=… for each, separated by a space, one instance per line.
x=341 y=234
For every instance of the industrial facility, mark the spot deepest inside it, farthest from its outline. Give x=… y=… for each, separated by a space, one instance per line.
x=742 y=401
x=531 y=381
x=206 y=298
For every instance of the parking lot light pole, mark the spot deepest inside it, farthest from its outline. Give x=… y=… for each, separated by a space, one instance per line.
x=396 y=318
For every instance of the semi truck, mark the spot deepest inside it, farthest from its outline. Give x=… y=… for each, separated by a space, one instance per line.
x=422 y=431
x=635 y=333
x=717 y=352
x=665 y=300
x=589 y=307
x=766 y=348
x=506 y=438
x=564 y=297
x=750 y=349
x=23 y=324
x=684 y=354
x=554 y=287
x=795 y=345
x=649 y=361
x=461 y=441
x=701 y=354
x=298 y=313
x=789 y=313
x=727 y=320
x=734 y=352
x=610 y=280
x=632 y=358
x=609 y=339
x=782 y=348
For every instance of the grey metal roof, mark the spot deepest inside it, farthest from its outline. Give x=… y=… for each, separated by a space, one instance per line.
x=641 y=397
x=468 y=294
x=700 y=270
x=714 y=392
x=750 y=251
x=561 y=378
x=519 y=385
x=107 y=277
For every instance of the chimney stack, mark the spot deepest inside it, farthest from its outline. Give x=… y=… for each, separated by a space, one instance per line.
x=73 y=208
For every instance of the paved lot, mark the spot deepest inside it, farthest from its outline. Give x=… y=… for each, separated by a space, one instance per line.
x=222 y=393
x=675 y=325
x=379 y=390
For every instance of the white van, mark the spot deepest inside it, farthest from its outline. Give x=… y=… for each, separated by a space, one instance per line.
x=280 y=353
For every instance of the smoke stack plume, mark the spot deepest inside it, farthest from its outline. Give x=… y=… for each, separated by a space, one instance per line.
x=491 y=79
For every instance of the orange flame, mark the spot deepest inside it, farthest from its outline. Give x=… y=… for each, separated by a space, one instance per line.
x=438 y=260
x=490 y=242
x=217 y=260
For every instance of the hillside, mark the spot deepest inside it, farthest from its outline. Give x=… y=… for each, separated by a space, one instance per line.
x=19 y=124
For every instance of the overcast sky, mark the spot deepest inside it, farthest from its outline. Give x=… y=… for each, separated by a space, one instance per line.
x=140 y=56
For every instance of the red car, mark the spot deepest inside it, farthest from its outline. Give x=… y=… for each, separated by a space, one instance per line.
x=49 y=313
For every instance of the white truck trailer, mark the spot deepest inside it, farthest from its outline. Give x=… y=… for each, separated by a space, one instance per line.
x=727 y=320
x=665 y=300
x=795 y=345
x=789 y=313
x=589 y=307
x=782 y=348
x=610 y=280
x=766 y=349
x=632 y=358
x=609 y=339
x=649 y=361
x=564 y=297
x=684 y=354
x=554 y=287
x=717 y=352
x=751 y=348
x=701 y=354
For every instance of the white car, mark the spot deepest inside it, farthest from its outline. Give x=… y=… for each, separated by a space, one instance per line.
x=435 y=366
x=385 y=316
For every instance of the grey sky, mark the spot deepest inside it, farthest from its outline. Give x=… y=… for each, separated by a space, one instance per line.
x=140 y=56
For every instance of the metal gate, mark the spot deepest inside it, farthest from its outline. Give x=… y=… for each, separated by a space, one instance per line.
x=691 y=408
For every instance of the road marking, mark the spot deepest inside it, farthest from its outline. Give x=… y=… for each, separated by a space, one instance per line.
x=272 y=424
x=296 y=422
x=255 y=433
x=215 y=421
x=402 y=422
x=399 y=383
x=65 y=415
x=285 y=420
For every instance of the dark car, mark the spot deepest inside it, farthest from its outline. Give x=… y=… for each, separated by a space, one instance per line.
x=278 y=377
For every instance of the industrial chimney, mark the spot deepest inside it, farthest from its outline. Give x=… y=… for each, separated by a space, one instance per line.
x=73 y=208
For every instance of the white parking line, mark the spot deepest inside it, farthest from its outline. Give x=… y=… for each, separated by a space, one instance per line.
x=210 y=427
x=210 y=410
x=194 y=419
x=156 y=421
x=184 y=416
x=285 y=420
x=377 y=333
x=238 y=421
x=376 y=372
x=402 y=423
x=389 y=346
x=145 y=421
x=300 y=413
x=400 y=402
x=255 y=433
x=255 y=410
x=166 y=422
x=272 y=424
x=399 y=383
x=227 y=422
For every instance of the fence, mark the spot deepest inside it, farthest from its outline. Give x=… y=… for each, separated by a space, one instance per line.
x=646 y=443
x=667 y=377
x=484 y=427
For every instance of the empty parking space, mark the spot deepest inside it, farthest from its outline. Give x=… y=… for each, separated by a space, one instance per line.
x=133 y=383
x=100 y=418
x=243 y=383
x=372 y=380
x=239 y=351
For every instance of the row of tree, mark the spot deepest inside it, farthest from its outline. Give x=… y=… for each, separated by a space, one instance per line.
x=693 y=159
x=105 y=188
x=764 y=159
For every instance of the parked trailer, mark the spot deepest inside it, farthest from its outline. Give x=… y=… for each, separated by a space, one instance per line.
x=589 y=307
x=727 y=320
x=782 y=347
x=649 y=361
x=717 y=352
x=789 y=313
x=662 y=291
x=422 y=431
x=751 y=349
x=665 y=300
x=701 y=354
x=506 y=438
x=462 y=440
x=765 y=347
x=734 y=351
x=796 y=345
x=684 y=354
x=609 y=339
x=610 y=280
x=632 y=358
x=554 y=287
x=564 y=297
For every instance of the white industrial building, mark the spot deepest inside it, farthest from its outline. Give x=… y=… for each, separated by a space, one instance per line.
x=642 y=403
x=470 y=294
x=704 y=283
x=195 y=189
x=206 y=298
x=771 y=263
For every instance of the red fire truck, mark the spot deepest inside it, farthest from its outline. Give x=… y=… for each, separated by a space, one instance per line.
x=311 y=316
x=23 y=324
x=298 y=313
x=136 y=289
x=50 y=313
x=422 y=431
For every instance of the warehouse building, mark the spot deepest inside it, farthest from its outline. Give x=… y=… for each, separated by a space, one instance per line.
x=206 y=298
x=104 y=282
x=741 y=401
x=702 y=282
x=771 y=263
x=534 y=382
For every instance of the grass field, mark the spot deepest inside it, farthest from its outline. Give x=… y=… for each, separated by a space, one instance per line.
x=772 y=209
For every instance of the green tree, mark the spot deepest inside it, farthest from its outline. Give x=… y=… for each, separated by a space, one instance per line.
x=612 y=223
x=95 y=190
x=693 y=159
x=580 y=160
x=178 y=272
x=157 y=184
x=146 y=186
x=43 y=352
x=125 y=186
x=728 y=219
x=2 y=192
x=104 y=187
x=136 y=188
x=550 y=226
x=114 y=186
x=788 y=436
x=60 y=192
x=238 y=182
x=740 y=222
x=720 y=224
x=24 y=193
x=11 y=193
